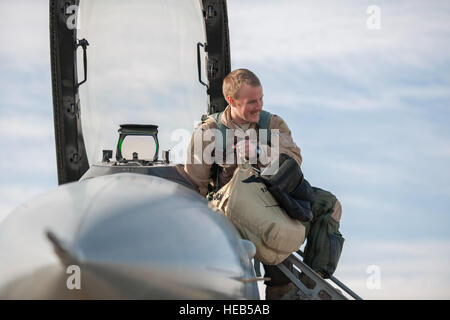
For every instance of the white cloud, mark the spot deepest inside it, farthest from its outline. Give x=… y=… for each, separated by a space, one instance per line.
x=377 y=97
x=367 y=174
x=28 y=147
x=24 y=33
x=28 y=127
x=307 y=31
x=409 y=270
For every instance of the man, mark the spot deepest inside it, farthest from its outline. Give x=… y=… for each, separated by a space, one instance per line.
x=243 y=91
x=244 y=94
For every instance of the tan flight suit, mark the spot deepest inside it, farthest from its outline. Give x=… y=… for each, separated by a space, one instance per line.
x=199 y=174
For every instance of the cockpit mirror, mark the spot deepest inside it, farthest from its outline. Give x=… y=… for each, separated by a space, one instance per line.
x=137 y=142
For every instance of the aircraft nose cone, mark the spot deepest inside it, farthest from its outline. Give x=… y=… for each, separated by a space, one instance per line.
x=131 y=236
x=159 y=236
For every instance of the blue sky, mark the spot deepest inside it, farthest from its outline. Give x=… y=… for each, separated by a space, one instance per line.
x=370 y=111
x=369 y=108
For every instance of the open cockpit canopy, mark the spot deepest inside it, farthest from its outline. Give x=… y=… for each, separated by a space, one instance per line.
x=158 y=62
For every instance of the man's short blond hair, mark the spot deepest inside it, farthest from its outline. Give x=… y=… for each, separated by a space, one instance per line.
x=234 y=81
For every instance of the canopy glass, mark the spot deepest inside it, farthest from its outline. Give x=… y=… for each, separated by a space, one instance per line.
x=141 y=69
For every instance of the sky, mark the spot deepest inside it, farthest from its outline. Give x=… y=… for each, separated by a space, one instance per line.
x=365 y=91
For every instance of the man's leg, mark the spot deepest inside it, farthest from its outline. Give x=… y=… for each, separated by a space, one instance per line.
x=279 y=284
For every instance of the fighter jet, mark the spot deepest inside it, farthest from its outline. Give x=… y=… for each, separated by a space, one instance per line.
x=132 y=226
x=125 y=222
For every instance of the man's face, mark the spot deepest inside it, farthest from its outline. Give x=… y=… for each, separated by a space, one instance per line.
x=248 y=106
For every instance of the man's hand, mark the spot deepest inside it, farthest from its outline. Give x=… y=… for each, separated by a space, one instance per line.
x=247 y=149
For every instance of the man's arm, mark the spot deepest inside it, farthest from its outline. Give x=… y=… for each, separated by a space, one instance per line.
x=196 y=167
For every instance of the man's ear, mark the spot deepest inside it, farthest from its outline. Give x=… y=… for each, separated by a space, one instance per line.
x=230 y=100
